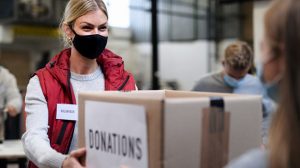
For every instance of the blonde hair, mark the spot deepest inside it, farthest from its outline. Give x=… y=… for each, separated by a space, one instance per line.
x=77 y=8
x=282 y=24
x=238 y=55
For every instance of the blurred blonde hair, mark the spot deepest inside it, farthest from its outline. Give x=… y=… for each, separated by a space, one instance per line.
x=282 y=32
x=238 y=55
x=77 y=8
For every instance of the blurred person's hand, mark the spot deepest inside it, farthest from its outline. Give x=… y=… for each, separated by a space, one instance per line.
x=11 y=110
x=76 y=159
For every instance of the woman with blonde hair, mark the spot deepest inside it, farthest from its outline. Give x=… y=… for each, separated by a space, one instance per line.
x=281 y=59
x=86 y=65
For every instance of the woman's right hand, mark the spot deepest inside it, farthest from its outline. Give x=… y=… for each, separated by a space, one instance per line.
x=76 y=159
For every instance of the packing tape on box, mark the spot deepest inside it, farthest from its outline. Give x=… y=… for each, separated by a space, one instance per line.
x=215 y=134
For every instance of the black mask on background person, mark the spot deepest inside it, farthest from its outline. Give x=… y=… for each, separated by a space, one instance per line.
x=89 y=46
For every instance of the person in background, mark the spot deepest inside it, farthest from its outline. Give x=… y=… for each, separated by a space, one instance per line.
x=282 y=54
x=10 y=99
x=85 y=65
x=237 y=62
x=234 y=78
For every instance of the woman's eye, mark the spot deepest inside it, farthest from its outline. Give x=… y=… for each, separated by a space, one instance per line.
x=86 y=28
x=103 y=28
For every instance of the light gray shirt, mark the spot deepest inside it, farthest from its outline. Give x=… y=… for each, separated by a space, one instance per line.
x=213 y=83
x=35 y=140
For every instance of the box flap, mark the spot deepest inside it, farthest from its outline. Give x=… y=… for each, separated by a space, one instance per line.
x=184 y=94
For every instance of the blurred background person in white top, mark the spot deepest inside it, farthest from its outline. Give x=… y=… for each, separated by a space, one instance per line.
x=10 y=97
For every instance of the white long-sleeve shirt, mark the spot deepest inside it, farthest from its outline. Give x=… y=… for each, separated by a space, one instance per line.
x=35 y=140
x=9 y=92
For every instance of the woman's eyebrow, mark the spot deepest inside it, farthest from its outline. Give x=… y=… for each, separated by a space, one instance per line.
x=90 y=24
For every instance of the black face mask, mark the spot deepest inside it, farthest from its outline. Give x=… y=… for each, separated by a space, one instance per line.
x=89 y=46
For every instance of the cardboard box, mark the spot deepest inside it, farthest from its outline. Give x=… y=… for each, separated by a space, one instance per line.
x=175 y=124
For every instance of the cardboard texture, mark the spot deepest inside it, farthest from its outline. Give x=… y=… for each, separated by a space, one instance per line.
x=177 y=121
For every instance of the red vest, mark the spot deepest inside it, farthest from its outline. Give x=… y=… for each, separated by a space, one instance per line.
x=55 y=83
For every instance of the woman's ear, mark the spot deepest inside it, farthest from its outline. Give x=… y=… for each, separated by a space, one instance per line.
x=69 y=33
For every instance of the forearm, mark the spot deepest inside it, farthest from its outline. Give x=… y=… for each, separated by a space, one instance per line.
x=16 y=103
x=12 y=94
x=37 y=148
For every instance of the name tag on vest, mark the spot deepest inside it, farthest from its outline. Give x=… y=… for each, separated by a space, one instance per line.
x=67 y=112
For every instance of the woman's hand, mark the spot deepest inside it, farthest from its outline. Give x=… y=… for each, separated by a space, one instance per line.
x=76 y=159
